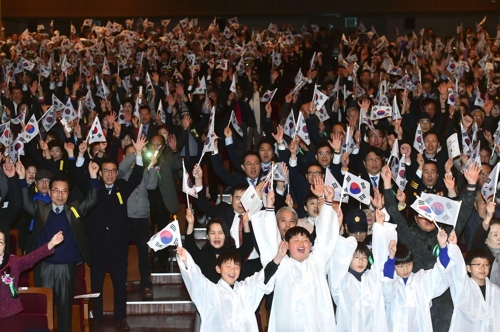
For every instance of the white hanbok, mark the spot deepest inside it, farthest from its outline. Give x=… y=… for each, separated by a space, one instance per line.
x=410 y=303
x=472 y=311
x=301 y=301
x=221 y=307
x=360 y=304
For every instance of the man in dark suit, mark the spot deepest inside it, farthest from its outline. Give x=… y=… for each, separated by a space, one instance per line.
x=12 y=212
x=59 y=271
x=250 y=174
x=108 y=234
x=148 y=126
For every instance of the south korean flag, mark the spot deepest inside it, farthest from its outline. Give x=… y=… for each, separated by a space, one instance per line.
x=95 y=133
x=380 y=112
x=319 y=98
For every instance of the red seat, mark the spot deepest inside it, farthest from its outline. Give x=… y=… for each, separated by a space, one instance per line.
x=37 y=311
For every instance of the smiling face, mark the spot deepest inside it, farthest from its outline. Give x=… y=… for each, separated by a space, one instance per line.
x=493 y=239
x=59 y=192
x=376 y=138
x=266 y=152
x=286 y=220
x=216 y=236
x=324 y=156
x=251 y=166
x=229 y=271
x=312 y=207
x=2 y=243
x=431 y=143
x=299 y=247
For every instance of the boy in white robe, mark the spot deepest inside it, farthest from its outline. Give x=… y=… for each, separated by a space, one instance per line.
x=410 y=294
x=228 y=305
x=302 y=301
x=357 y=290
x=476 y=299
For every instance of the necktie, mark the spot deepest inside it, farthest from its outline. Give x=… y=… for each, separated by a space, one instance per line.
x=144 y=130
x=57 y=210
x=109 y=190
x=240 y=229
x=374 y=181
x=252 y=181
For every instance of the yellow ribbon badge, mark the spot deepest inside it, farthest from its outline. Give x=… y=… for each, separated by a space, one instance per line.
x=120 y=198
x=75 y=212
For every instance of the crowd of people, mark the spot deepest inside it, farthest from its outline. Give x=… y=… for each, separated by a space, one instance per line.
x=359 y=170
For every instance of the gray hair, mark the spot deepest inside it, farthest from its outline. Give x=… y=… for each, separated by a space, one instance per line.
x=287 y=208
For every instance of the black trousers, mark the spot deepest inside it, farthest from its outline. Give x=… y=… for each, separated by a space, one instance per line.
x=111 y=256
x=61 y=278
x=139 y=231
x=160 y=217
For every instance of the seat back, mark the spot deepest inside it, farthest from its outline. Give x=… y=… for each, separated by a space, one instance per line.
x=37 y=308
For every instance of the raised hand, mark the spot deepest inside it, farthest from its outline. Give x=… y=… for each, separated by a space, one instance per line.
x=279 y=134
x=379 y=216
x=452 y=238
x=289 y=200
x=228 y=132
x=377 y=199
x=386 y=176
x=442 y=238
x=139 y=144
x=172 y=142
x=82 y=148
x=329 y=193
x=270 y=199
x=182 y=254
x=56 y=239
x=93 y=169
x=190 y=216
x=472 y=174
x=21 y=172
x=318 y=187
x=197 y=172
x=282 y=250
x=392 y=249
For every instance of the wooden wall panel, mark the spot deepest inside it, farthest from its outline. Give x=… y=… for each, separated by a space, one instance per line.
x=168 y=8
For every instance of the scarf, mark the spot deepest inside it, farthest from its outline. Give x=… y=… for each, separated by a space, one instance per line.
x=495 y=270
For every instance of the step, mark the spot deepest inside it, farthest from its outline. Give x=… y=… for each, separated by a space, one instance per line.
x=167 y=299
x=225 y=198
x=200 y=233
x=157 y=323
x=162 y=278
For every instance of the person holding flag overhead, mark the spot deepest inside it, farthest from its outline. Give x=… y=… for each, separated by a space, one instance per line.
x=107 y=233
x=420 y=237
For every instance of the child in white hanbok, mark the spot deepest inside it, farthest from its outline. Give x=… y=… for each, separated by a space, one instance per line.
x=356 y=289
x=410 y=294
x=476 y=299
x=228 y=305
x=302 y=301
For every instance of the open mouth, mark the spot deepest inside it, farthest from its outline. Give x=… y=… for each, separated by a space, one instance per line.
x=217 y=242
x=301 y=250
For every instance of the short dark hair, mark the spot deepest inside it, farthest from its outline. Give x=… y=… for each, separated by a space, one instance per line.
x=250 y=153
x=427 y=162
x=309 y=198
x=403 y=254
x=58 y=178
x=430 y=132
x=322 y=145
x=297 y=230
x=109 y=161
x=144 y=107
x=228 y=256
x=239 y=187
x=362 y=248
x=315 y=164
x=378 y=152
x=264 y=140
x=476 y=253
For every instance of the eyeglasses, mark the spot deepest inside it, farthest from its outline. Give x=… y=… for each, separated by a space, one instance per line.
x=484 y=174
x=44 y=181
x=360 y=258
x=480 y=266
x=373 y=160
x=477 y=116
x=314 y=173
x=424 y=121
x=323 y=154
x=107 y=171
x=59 y=192
x=375 y=136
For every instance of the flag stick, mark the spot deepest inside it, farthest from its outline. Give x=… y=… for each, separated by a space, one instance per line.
x=342 y=192
x=272 y=175
x=202 y=155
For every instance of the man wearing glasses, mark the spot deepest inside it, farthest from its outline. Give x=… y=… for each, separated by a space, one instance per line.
x=108 y=234
x=59 y=270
